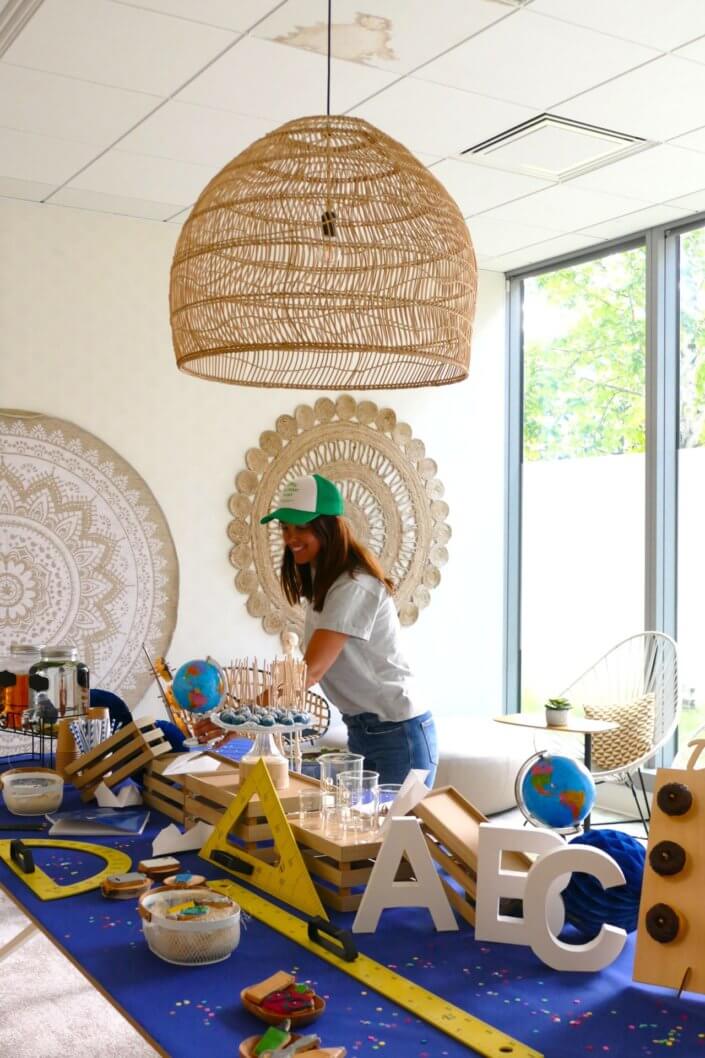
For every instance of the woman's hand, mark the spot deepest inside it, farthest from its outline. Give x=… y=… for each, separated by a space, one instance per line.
x=206 y=731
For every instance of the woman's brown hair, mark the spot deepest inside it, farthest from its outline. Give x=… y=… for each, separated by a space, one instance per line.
x=340 y=553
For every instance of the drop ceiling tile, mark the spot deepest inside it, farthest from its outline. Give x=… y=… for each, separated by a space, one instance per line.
x=542 y=251
x=128 y=47
x=239 y=16
x=479 y=187
x=180 y=217
x=486 y=264
x=534 y=60
x=99 y=203
x=44 y=159
x=190 y=133
x=492 y=236
x=35 y=101
x=659 y=174
x=426 y=159
x=138 y=176
x=692 y=203
x=694 y=51
x=395 y=35
x=440 y=120
x=657 y=101
x=29 y=190
x=662 y=24
x=565 y=208
x=634 y=222
x=242 y=81
x=692 y=141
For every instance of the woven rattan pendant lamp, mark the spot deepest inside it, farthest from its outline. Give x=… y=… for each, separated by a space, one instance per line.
x=324 y=256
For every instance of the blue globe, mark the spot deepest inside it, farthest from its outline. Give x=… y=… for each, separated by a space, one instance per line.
x=555 y=791
x=199 y=686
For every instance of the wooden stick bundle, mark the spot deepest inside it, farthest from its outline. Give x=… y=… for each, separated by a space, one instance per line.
x=280 y=683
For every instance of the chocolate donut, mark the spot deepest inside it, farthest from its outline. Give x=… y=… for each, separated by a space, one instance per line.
x=667 y=858
x=662 y=923
x=674 y=799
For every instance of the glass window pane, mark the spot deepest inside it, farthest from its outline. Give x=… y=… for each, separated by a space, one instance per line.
x=583 y=468
x=691 y=482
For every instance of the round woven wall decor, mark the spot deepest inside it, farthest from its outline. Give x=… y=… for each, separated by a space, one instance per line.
x=393 y=499
x=86 y=556
x=324 y=256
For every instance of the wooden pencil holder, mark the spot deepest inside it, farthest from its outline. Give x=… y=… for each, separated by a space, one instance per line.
x=121 y=755
x=66 y=752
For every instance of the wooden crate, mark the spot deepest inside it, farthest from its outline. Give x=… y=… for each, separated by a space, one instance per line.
x=451 y=826
x=166 y=793
x=131 y=748
x=339 y=871
x=208 y=796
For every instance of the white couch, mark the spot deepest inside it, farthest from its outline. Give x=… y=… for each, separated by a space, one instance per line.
x=475 y=755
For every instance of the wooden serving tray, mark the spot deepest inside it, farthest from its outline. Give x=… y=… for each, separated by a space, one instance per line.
x=456 y=823
x=451 y=826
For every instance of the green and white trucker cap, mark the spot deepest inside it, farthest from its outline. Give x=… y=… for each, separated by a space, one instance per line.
x=303 y=499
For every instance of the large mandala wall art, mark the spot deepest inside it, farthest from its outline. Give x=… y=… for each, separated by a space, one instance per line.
x=86 y=556
x=392 y=497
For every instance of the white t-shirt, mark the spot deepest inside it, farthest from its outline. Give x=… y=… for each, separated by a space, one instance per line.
x=370 y=675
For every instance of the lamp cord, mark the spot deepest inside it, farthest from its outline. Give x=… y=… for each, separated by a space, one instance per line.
x=330 y=18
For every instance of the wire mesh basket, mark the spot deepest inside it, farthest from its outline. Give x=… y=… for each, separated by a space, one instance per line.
x=206 y=938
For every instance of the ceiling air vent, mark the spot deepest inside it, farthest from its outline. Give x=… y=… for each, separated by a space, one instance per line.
x=555 y=148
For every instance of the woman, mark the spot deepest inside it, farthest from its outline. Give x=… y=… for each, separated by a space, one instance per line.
x=351 y=635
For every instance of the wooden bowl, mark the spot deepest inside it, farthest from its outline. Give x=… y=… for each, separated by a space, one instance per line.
x=299 y=1017
x=247 y=1047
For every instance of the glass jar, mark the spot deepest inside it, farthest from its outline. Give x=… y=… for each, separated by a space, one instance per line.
x=62 y=679
x=16 y=696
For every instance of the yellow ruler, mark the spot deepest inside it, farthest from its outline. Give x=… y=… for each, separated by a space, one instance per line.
x=288 y=880
x=45 y=887
x=480 y=1037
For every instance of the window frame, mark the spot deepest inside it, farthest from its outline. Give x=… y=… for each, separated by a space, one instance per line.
x=662 y=425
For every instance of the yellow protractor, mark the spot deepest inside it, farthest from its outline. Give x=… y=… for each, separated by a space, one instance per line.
x=45 y=887
x=479 y=1036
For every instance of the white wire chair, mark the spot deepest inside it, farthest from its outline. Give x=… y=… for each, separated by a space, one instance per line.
x=635 y=684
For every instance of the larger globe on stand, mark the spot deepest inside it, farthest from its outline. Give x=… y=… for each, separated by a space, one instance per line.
x=199 y=686
x=554 y=791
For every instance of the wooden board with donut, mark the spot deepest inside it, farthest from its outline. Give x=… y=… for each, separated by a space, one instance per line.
x=671 y=912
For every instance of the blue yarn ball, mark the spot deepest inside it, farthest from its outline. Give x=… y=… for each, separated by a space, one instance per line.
x=587 y=904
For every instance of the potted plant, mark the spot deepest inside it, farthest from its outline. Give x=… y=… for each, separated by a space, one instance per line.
x=557 y=710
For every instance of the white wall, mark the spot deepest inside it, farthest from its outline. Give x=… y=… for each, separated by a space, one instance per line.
x=84 y=335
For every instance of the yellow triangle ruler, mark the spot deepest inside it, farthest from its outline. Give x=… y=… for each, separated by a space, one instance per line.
x=46 y=888
x=288 y=880
x=478 y=1035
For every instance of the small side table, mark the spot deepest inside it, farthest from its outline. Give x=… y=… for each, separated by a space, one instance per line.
x=579 y=726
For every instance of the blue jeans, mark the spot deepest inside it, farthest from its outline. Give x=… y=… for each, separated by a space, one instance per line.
x=392 y=748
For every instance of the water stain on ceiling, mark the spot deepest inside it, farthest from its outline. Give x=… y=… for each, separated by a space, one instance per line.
x=365 y=39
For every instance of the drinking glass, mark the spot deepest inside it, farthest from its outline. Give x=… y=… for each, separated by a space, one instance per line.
x=387 y=794
x=310 y=809
x=331 y=766
x=358 y=796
